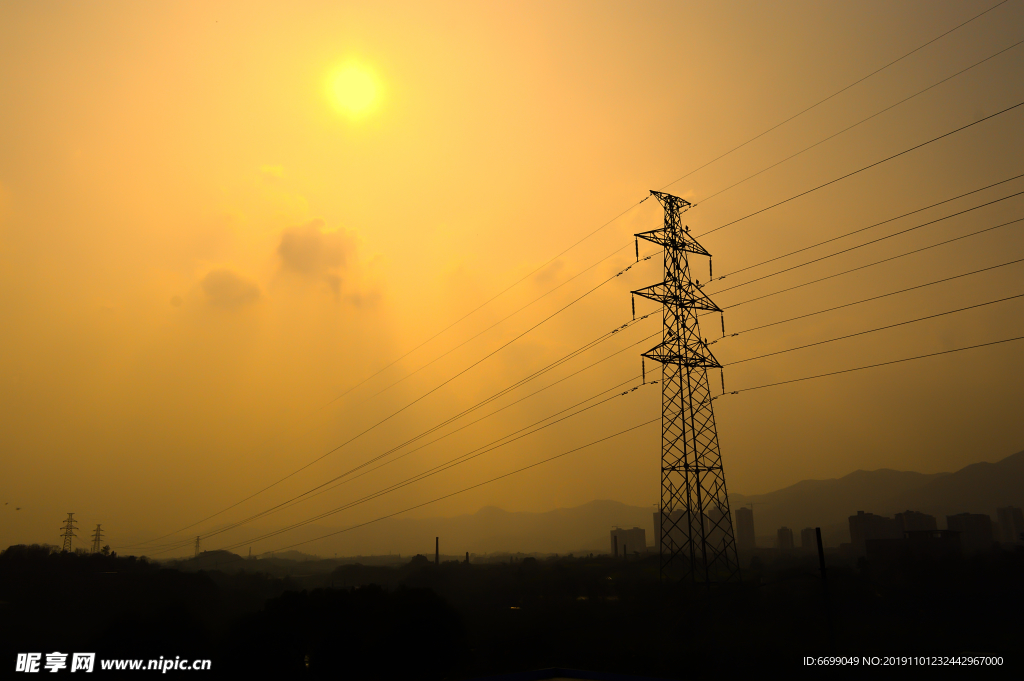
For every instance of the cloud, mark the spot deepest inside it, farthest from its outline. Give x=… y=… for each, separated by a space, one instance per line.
x=309 y=249
x=225 y=289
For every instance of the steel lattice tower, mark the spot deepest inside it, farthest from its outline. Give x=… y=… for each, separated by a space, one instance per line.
x=97 y=539
x=696 y=534
x=69 y=531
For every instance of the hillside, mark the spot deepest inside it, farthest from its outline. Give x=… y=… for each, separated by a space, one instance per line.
x=978 y=488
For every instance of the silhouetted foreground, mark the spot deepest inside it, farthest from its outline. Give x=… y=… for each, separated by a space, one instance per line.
x=457 y=620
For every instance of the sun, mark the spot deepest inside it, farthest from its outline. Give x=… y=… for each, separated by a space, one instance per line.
x=353 y=90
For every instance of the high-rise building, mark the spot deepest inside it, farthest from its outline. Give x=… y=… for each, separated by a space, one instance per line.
x=808 y=540
x=1011 y=524
x=745 y=530
x=625 y=541
x=864 y=526
x=975 y=531
x=785 y=539
x=913 y=521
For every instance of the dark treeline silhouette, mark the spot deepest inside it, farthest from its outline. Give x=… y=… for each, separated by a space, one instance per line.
x=458 y=620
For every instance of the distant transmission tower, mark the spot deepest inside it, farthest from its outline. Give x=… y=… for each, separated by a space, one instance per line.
x=97 y=539
x=69 y=531
x=197 y=546
x=695 y=533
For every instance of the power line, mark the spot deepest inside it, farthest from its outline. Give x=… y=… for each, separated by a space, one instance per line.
x=865 y=300
x=447 y=381
x=860 y=170
x=601 y=284
x=463 y=458
x=305 y=496
x=868 y=243
x=872 y=366
x=838 y=92
x=548 y=262
x=880 y=328
x=493 y=298
x=617 y=250
x=472 y=487
x=493 y=397
x=864 y=229
x=495 y=444
x=863 y=120
x=500 y=293
x=511 y=404
x=872 y=264
x=472 y=454
x=727 y=307
x=621 y=433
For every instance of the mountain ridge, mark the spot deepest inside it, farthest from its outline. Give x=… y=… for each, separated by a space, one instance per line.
x=828 y=503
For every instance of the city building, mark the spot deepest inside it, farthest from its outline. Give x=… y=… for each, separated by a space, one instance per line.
x=808 y=540
x=864 y=526
x=913 y=521
x=745 y=530
x=628 y=541
x=975 y=531
x=1011 y=524
x=785 y=540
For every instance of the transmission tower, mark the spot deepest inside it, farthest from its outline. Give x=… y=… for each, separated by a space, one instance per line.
x=69 y=531
x=695 y=533
x=97 y=539
x=197 y=546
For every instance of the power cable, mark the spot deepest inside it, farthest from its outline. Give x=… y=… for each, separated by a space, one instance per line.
x=490 y=300
x=868 y=243
x=865 y=300
x=860 y=170
x=496 y=396
x=880 y=328
x=481 y=484
x=838 y=92
x=863 y=120
x=495 y=444
x=320 y=489
x=863 y=229
x=872 y=366
x=871 y=264
x=616 y=251
x=463 y=458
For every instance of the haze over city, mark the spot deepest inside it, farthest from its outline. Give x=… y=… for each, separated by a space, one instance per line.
x=391 y=289
x=204 y=244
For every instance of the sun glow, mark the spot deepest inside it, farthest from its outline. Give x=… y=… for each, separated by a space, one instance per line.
x=353 y=90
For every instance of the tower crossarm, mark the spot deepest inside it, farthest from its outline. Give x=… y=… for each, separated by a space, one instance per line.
x=695 y=354
x=689 y=297
x=673 y=240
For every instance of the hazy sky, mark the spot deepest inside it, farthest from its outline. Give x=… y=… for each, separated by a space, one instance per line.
x=215 y=218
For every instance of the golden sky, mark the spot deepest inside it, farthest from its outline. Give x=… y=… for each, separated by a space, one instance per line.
x=215 y=218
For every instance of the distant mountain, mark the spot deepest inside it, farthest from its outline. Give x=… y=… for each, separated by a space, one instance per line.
x=492 y=530
x=583 y=529
x=978 y=488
